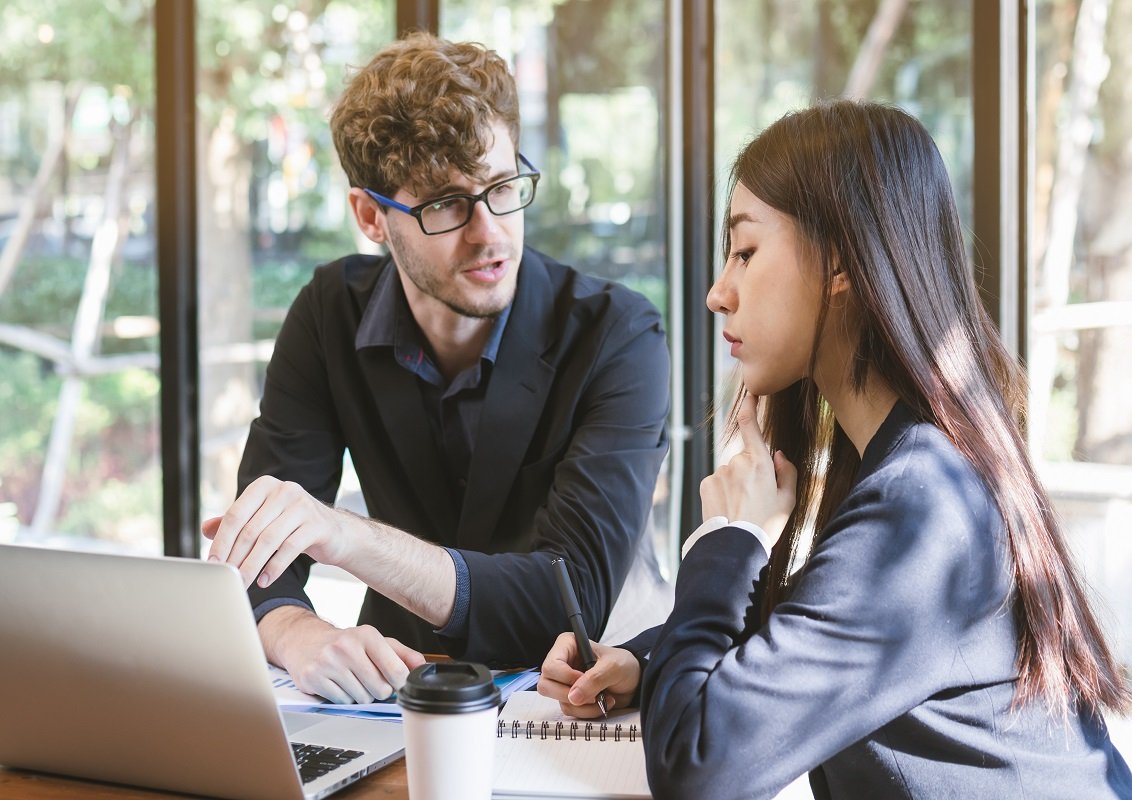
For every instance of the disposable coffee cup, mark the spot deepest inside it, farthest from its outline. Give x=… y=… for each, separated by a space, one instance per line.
x=449 y=711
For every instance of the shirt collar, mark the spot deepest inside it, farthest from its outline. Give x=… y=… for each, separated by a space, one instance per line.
x=491 y=348
x=379 y=322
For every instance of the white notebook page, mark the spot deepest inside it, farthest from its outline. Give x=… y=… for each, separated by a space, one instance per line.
x=612 y=766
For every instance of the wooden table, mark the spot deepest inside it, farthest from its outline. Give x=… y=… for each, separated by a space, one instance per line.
x=390 y=782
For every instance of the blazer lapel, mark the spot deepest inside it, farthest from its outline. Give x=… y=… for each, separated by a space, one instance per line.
x=516 y=395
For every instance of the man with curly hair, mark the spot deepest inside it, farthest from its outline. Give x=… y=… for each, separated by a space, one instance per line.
x=500 y=409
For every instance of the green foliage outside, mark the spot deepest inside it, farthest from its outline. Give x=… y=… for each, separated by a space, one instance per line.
x=266 y=66
x=102 y=52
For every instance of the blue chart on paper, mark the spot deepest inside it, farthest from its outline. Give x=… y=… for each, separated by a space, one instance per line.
x=290 y=698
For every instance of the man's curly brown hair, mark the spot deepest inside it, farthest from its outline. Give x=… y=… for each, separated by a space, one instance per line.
x=422 y=105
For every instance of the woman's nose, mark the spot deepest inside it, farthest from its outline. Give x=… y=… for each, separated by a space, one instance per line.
x=721 y=297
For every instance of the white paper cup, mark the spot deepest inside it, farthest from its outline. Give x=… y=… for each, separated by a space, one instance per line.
x=449 y=710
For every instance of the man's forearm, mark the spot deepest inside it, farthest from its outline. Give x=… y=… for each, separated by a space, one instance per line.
x=277 y=624
x=411 y=572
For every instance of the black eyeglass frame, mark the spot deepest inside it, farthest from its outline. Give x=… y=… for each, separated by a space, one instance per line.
x=418 y=210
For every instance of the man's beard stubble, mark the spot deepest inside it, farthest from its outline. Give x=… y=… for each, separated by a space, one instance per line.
x=436 y=287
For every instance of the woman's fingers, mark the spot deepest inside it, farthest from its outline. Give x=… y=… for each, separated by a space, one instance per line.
x=750 y=432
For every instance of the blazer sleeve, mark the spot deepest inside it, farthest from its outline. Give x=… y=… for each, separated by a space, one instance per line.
x=872 y=628
x=597 y=506
x=297 y=435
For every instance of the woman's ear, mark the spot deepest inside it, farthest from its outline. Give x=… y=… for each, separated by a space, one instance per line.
x=369 y=216
x=840 y=283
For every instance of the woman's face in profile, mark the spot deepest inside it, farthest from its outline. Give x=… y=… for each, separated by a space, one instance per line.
x=770 y=295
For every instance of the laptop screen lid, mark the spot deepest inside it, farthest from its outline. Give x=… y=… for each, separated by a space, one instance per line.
x=149 y=671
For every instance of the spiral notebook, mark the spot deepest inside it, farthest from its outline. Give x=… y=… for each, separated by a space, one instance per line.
x=540 y=752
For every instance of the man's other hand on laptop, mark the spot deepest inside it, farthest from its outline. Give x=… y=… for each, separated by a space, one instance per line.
x=351 y=665
x=270 y=524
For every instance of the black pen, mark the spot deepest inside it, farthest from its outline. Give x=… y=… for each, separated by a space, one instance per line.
x=574 y=612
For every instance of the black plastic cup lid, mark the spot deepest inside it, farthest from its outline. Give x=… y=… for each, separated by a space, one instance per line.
x=449 y=687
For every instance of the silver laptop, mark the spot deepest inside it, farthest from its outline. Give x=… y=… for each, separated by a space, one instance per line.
x=149 y=671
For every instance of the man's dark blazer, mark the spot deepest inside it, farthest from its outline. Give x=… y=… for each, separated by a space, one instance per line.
x=570 y=440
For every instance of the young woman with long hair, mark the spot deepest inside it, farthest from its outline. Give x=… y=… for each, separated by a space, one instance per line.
x=881 y=593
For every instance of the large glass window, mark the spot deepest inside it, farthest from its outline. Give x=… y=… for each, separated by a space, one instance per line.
x=79 y=459
x=272 y=199
x=1080 y=287
x=590 y=76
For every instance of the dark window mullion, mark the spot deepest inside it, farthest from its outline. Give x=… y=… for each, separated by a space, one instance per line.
x=1000 y=92
x=697 y=109
x=175 y=111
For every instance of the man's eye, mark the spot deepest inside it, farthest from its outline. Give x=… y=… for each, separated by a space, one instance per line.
x=444 y=205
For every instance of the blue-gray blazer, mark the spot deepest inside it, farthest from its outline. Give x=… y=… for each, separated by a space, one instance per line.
x=890 y=670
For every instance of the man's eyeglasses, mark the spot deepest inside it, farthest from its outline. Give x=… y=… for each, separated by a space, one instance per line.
x=454 y=211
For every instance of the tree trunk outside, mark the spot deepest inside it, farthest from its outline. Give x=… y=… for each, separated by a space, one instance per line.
x=53 y=156
x=1104 y=402
x=863 y=74
x=1087 y=71
x=104 y=251
x=228 y=391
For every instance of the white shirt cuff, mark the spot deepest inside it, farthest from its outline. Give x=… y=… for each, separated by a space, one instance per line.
x=714 y=524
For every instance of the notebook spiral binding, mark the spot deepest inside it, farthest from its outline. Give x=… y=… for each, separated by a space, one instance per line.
x=572 y=731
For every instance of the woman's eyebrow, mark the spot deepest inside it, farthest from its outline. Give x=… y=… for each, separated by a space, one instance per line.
x=742 y=216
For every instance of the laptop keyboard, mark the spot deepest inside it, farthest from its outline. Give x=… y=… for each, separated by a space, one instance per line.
x=315 y=760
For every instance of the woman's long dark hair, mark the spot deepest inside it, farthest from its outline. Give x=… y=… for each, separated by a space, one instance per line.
x=870 y=195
